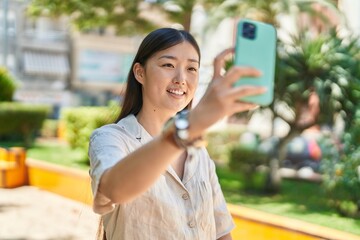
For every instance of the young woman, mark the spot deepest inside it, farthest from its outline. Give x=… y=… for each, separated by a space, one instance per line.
x=150 y=178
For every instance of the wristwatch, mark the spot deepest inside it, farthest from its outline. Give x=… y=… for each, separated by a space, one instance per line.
x=181 y=121
x=178 y=128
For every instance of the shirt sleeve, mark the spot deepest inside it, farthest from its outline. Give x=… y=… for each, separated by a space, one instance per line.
x=106 y=148
x=223 y=219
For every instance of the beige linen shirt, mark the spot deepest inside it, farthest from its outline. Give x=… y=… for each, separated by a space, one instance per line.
x=172 y=209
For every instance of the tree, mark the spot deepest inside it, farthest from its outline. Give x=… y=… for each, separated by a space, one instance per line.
x=317 y=79
x=310 y=71
x=180 y=11
x=124 y=15
x=269 y=10
x=328 y=66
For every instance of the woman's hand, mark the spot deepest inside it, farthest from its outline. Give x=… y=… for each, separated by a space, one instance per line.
x=221 y=99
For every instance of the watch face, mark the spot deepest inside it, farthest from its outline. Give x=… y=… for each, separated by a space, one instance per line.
x=182 y=123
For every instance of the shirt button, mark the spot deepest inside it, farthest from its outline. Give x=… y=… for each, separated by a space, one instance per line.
x=192 y=224
x=185 y=196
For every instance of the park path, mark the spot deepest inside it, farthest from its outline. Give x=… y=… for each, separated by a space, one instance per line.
x=29 y=213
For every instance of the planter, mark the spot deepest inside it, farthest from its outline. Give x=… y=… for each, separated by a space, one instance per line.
x=65 y=181
x=257 y=225
x=251 y=224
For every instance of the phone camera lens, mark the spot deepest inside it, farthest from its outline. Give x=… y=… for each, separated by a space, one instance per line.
x=249 y=30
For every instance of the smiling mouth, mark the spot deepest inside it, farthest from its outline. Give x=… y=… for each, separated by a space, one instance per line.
x=176 y=92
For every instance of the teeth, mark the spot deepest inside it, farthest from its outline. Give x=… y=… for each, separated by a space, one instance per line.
x=177 y=92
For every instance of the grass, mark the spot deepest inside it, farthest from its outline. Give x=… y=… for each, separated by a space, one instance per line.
x=54 y=152
x=298 y=199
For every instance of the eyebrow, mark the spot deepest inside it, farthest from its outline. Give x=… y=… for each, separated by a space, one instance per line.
x=174 y=58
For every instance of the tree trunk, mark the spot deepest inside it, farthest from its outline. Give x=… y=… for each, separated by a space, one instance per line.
x=273 y=182
x=187 y=21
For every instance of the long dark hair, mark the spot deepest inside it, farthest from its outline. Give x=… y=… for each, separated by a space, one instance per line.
x=154 y=42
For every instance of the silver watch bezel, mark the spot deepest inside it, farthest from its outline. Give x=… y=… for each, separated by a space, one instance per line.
x=181 y=122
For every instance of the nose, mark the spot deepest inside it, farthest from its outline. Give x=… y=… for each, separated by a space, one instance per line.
x=180 y=77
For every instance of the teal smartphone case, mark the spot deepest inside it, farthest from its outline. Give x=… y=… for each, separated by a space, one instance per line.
x=256 y=47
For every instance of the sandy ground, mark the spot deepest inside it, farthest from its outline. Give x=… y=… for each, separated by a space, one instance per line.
x=28 y=213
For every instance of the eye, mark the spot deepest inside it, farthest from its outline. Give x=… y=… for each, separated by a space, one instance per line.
x=192 y=69
x=168 y=65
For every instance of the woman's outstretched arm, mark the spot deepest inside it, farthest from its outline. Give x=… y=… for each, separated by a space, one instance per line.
x=138 y=171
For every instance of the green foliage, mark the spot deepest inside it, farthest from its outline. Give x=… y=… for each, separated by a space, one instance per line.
x=352 y=135
x=266 y=11
x=329 y=65
x=343 y=184
x=23 y=121
x=126 y=16
x=301 y=200
x=243 y=159
x=220 y=141
x=88 y=15
x=246 y=160
x=342 y=172
x=49 y=128
x=7 y=86
x=80 y=122
x=180 y=11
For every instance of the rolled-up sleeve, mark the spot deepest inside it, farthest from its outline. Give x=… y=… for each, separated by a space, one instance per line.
x=223 y=219
x=106 y=148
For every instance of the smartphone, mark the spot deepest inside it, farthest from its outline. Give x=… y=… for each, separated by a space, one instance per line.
x=256 y=47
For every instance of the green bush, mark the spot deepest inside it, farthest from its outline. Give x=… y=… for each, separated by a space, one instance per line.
x=50 y=128
x=7 y=86
x=247 y=161
x=80 y=122
x=220 y=141
x=18 y=120
x=341 y=171
x=342 y=183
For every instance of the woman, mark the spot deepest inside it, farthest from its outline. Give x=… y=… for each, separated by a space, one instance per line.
x=152 y=181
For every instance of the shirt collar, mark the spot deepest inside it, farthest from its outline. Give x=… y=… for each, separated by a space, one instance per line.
x=134 y=128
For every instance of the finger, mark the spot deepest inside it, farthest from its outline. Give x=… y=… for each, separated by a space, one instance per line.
x=219 y=61
x=236 y=73
x=240 y=106
x=245 y=91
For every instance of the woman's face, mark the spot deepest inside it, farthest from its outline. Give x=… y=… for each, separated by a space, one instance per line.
x=169 y=78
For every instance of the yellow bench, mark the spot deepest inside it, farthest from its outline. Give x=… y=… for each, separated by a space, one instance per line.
x=13 y=171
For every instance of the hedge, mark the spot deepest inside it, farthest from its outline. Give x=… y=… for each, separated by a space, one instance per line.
x=7 y=85
x=220 y=141
x=80 y=122
x=20 y=120
x=247 y=161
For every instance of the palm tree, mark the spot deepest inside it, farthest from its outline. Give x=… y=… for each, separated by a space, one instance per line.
x=328 y=65
x=329 y=68
x=307 y=69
